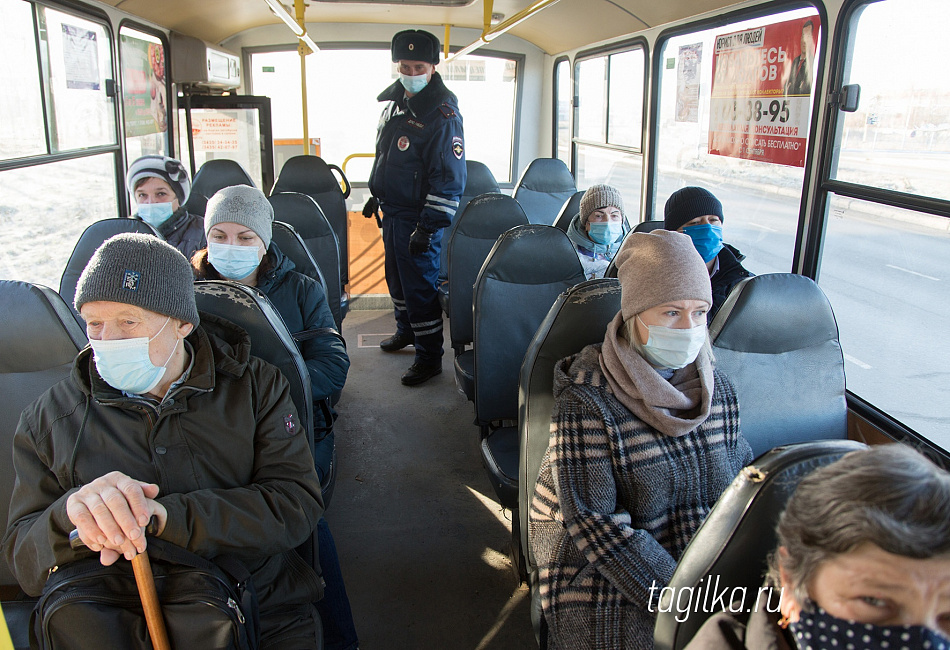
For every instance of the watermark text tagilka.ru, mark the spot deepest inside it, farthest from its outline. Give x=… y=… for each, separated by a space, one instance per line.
x=707 y=597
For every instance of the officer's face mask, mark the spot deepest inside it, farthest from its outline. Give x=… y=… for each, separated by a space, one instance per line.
x=414 y=84
x=125 y=365
x=707 y=239
x=154 y=214
x=234 y=262
x=667 y=347
x=819 y=630
x=605 y=232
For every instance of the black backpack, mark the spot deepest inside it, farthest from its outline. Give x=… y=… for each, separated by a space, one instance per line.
x=207 y=605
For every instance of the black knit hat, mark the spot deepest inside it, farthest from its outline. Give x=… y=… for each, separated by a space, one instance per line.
x=416 y=45
x=688 y=203
x=140 y=270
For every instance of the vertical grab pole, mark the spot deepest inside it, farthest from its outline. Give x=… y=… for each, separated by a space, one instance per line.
x=304 y=51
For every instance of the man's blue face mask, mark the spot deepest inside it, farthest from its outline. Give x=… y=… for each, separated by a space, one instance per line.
x=707 y=239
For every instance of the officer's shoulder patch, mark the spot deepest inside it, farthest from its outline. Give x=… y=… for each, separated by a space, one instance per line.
x=457 y=147
x=447 y=111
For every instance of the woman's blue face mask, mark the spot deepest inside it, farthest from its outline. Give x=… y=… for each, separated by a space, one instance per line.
x=234 y=262
x=605 y=233
x=707 y=239
x=154 y=214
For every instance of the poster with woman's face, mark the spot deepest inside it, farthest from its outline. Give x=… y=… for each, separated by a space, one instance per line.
x=143 y=86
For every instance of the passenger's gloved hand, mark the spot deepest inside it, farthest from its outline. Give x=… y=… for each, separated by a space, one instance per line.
x=371 y=209
x=419 y=241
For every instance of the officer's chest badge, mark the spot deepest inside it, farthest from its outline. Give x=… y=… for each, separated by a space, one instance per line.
x=403 y=143
x=457 y=147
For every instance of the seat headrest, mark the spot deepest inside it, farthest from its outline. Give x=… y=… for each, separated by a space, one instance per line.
x=648 y=226
x=773 y=314
x=569 y=210
x=488 y=215
x=54 y=336
x=478 y=179
x=213 y=176
x=308 y=175
x=301 y=212
x=547 y=175
x=533 y=254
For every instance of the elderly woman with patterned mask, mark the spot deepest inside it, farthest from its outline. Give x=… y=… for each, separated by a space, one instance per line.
x=597 y=231
x=645 y=436
x=863 y=561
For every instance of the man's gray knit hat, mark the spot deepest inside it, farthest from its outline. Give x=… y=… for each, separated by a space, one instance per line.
x=140 y=270
x=658 y=267
x=167 y=169
x=600 y=196
x=244 y=205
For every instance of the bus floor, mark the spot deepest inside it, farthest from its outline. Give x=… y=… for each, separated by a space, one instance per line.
x=422 y=542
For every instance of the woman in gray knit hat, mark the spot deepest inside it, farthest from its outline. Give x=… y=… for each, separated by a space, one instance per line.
x=598 y=229
x=645 y=437
x=166 y=416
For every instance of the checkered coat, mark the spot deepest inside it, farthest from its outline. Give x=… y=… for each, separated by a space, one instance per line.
x=616 y=504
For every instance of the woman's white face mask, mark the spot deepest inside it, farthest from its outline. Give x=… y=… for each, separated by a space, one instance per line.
x=673 y=348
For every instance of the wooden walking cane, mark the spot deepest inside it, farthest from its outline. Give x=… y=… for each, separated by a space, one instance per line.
x=145 y=583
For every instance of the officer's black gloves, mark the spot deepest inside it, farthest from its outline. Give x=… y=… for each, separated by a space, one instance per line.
x=419 y=241
x=371 y=209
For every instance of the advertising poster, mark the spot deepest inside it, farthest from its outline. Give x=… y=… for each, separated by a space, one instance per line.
x=143 y=86
x=81 y=58
x=687 y=82
x=214 y=131
x=761 y=92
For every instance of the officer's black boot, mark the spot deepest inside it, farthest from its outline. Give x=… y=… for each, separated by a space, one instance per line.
x=420 y=372
x=397 y=341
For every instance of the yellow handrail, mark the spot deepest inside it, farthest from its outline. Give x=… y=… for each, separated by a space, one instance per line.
x=501 y=28
x=355 y=155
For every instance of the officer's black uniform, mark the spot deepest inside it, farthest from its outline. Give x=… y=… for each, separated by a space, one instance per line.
x=418 y=176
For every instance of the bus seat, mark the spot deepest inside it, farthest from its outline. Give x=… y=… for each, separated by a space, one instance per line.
x=212 y=176
x=478 y=180
x=270 y=340
x=569 y=210
x=643 y=226
x=476 y=230
x=578 y=318
x=40 y=340
x=777 y=340
x=306 y=219
x=90 y=240
x=732 y=546
x=312 y=176
x=526 y=270
x=543 y=188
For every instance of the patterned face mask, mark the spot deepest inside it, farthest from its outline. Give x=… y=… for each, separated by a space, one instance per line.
x=816 y=629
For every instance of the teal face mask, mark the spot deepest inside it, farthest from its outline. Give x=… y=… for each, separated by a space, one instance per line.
x=155 y=214
x=605 y=233
x=413 y=84
x=233 y=262
x=125 y=365
x=707 y=239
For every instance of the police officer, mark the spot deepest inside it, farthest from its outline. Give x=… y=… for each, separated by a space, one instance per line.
x=417 y=178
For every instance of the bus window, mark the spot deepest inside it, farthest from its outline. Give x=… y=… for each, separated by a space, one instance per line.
x=562 y=111
x=345 y=122
x=884 y=268
x=144 y=62
x=21 y=104
x=610 y=123
x=745 y=139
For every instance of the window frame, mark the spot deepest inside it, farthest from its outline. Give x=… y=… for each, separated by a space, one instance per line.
x=556 y=81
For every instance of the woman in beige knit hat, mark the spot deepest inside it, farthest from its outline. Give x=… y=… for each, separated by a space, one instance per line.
x=645 y=437
x=598 y=229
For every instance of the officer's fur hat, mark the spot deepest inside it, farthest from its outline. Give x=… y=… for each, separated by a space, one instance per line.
x=416 y=45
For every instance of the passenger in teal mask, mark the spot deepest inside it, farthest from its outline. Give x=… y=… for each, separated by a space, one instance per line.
x=598 y=229
x=160 y=187
x=694 y=211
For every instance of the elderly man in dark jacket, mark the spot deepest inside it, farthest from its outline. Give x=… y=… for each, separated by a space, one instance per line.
x=167 y=415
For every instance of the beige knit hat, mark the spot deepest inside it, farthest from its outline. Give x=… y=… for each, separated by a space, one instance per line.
x=600 y=196
x=659 y=267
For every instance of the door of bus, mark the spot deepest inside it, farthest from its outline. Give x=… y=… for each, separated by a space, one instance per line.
x=237 y=127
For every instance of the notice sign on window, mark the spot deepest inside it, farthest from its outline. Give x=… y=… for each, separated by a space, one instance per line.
x=761 y=92
x=214 y=132
x=81 y=58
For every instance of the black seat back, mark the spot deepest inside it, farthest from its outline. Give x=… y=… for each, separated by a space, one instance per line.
x=569 y=210
x=732 y=546
x=478 y=180
x=477 y=229
x=577 y=319
x=306 y=218
x=90 y=240
x=312 y=176
x=40 y=339
x=526 y=270
x=543 y=188
x=292 y=246
x=776 y=336
x=215 y=175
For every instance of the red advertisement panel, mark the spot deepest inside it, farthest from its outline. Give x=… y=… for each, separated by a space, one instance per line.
x=761 y=92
